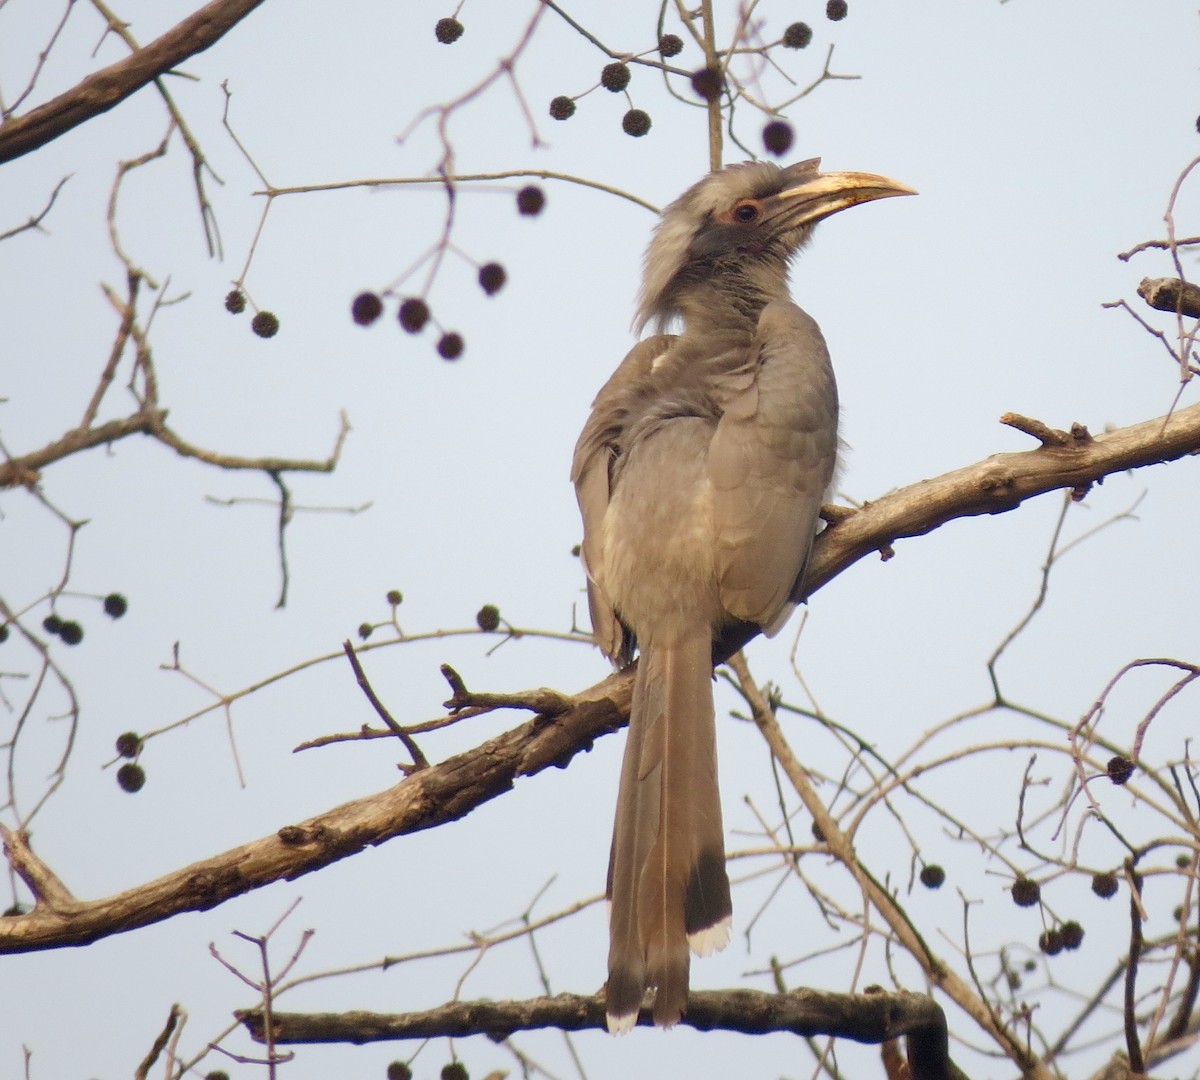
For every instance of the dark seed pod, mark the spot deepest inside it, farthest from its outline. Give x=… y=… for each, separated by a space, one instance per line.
x=1120 y=769
x=562 y=107
x=52 y=624
x=708 y=83
x=395 y=597
x=398 y=1070
x=670 y=45
x=129 y=743
x=115 y=605
x=797 y=36
x=1072 y=935
x=488 y=617
x=448 y=31
x=265 y=324
x=367 y=307
x=492 y=278
x=777 y=137
x=235 y=301
x=364 y=630
x=1051 y=942
x=836 y=10
x=414 y=314
x=1104 y=885
x=71 y=632
x=530 y=200
x=635 y=123
x=933 y=876
x=131 y=777
x=450 y=347
x=615 y=77
x=456 y=1070
x=1026 y=892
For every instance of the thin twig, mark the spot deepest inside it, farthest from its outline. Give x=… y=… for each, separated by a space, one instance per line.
x=360 y=676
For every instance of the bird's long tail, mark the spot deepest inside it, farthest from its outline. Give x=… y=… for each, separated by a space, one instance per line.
x=667 y=884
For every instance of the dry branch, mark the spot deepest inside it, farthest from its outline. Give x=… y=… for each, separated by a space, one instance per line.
x=103 y=89
x=1001 y=483
x=148 y=420
x=995 y=485
x=453 y=788
x=1171 y=294
x=424 y=800
x=865 y=1018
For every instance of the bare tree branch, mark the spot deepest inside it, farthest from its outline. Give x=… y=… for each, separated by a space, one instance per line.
x=441 y=793
x=453 y=788
x=26 y=468
x=103 y=89
x=1171 y=294
x=872 y=1017
x=35 y=222
x=1000 y=483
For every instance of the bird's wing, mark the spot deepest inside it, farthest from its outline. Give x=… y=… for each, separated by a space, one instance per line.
x=619 y=400
x=771 y=460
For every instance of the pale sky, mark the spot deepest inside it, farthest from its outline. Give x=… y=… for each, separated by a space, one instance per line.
x=1043 y=137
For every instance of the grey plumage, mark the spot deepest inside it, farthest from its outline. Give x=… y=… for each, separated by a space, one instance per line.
x=700 y=474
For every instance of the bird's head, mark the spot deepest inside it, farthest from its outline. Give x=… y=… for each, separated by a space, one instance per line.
x=744 y=220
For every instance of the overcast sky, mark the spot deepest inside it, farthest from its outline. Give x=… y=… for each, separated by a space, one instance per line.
x=1044 y=138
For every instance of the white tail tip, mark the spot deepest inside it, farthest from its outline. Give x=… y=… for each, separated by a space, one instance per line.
x=713 y=939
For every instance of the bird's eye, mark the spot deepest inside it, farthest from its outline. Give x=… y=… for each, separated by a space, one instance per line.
x=746 y=212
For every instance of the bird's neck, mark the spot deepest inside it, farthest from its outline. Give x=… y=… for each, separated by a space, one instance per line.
x=730 y=297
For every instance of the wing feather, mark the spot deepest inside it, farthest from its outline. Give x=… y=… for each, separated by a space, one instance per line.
x=771 y=461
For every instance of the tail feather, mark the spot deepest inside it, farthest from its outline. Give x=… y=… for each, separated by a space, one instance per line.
x=668 y=886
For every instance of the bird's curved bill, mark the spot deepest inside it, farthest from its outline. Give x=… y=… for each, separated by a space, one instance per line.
x=826 y=193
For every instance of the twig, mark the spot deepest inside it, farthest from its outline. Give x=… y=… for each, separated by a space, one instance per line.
x=35 y=222
x=462 y=178
x=208 y=219
x=542 y=701
x=1047 y=436
x=1133 y=1045
x=1160 y=245
x=164 y=1036
x=418 y=758
x=885 y=904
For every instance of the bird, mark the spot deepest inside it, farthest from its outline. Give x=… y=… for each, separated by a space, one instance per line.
x=700 y=473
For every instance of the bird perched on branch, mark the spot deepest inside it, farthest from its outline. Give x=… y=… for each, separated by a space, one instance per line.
x=700 y=475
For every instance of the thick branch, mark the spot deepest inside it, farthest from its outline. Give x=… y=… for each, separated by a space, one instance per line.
x=1171 y=294
x=424 y=800
x=1000 y=483
x=865 y=1018
x=453 y=788
x=101 y=90
x=992 y=486
x=26 y=469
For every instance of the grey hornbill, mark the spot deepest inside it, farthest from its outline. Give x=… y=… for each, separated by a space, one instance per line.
x=700 y=474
